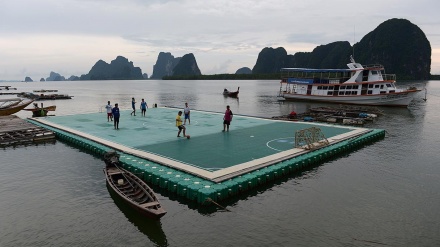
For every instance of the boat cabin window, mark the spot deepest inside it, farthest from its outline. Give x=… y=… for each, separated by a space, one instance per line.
x=383 y=92
x=329 y=93
x=330 y=87
x=319 y=87
x=370 y=85
x=381 y=86
x=389 y=85
x=348 y=93
x=376 y=86
x=354 y=92
x=341 y=93
x=349 y=87
x=374 y=72
x=342 y=87
x=325 y=87
x=370 y=92
x=355 y=86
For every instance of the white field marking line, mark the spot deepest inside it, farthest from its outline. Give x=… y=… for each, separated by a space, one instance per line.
x=267 y=143
x=196 y=123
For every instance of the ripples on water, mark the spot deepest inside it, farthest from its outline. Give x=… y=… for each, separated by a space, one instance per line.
x=386 y=193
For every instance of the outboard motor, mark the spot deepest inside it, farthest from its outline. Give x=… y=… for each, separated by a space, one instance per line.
x=111 y=158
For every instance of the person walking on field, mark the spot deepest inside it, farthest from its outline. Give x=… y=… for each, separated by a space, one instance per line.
x=133 y=105
x=227 y=119
x=144 y=107
x=109 y=112
x=179 y=124
x=187 y=112
x=116 y=115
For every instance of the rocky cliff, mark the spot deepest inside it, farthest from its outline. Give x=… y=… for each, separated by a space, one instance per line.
x=167 y=65
x=243 y=71
x=187 y=66
x=164 y=66
x=55 y=77
x=118 y=69
x=399 y=45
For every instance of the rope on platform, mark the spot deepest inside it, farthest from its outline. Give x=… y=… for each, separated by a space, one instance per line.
x=210 y=200
x=368 y=241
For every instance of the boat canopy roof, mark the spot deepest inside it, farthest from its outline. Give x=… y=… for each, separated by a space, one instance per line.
x=315 y=70
x=11 y=99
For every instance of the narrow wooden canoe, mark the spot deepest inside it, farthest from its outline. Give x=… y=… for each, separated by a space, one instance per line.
x=134 y=191
x=231 y=94
x=14 y=107
x=41 y=111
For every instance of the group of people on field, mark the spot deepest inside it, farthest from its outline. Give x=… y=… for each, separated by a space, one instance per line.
x=227 y=118
x=113 y=114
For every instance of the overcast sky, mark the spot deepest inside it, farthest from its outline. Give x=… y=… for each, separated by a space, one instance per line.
x=70 y=36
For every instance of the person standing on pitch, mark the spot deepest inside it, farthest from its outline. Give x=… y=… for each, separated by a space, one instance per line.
x=116 y=115
x=133 y=105
x=227 y=119
x=179 y=124
x=109 y=112
x=144 y=107
x=187 y=112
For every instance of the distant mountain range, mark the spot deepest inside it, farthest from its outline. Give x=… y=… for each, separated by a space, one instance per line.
x=398 y=44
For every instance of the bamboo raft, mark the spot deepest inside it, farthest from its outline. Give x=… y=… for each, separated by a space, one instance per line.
x=14 y=131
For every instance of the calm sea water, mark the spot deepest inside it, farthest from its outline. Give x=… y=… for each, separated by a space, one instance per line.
x=384 y=194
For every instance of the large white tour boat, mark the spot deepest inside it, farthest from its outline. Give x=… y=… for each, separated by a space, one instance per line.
x=359 y=84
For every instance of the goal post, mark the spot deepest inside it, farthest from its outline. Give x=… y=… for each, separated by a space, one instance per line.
x=310 y=138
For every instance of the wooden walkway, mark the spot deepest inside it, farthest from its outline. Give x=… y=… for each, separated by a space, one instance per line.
x=14 y=130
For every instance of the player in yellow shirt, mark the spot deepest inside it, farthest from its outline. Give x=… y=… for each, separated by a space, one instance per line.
x=179 y=124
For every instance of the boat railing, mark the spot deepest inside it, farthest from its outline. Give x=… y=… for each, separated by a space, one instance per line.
x=373 y=66
x=389 y=77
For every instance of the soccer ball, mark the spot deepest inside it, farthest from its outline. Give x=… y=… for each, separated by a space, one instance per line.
x=188 y=136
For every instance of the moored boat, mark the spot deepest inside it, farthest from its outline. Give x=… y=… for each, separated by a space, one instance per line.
x=41 y=111
x=7 y=88
x=359 y=84
x=11 y=106
x=135 y=192
x=53 y=96
x=226 y=92
x=45 y=91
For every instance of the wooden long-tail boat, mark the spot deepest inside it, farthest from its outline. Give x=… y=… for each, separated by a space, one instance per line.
x=135 y=192
x=41 y=111
x=11 y=106
x=226 y=92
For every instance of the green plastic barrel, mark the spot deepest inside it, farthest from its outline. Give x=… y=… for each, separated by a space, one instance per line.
x=221 y=190
x=206 y=193
x=193 y=189
x=173 y=181
x=165 y=178
x=182 y=186
x=232 y=187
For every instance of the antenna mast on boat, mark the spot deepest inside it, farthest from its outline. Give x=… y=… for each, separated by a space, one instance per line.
x=354 y=38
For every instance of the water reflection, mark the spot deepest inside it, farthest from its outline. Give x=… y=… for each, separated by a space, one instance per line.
x=151 y=228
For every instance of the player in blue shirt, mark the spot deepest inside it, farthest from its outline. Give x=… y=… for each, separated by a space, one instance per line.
x=116 y=115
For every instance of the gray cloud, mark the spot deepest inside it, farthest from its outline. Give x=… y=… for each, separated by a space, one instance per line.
x=224 y=35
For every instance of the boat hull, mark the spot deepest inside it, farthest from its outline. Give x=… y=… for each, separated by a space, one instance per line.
x=401 y=99
x=15 y=108
x=150 y=208
x=231 y=94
